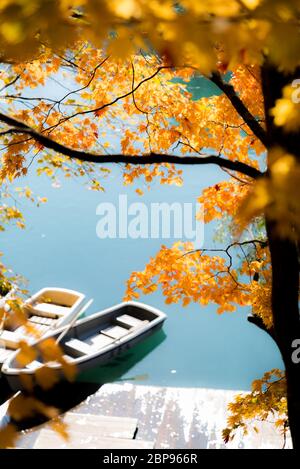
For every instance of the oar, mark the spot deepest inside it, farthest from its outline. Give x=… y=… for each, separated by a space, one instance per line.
x=65 y=331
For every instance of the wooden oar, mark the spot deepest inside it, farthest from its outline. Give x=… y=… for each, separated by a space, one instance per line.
x=65 y=331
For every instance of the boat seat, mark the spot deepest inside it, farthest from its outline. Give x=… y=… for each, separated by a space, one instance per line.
x=4 y=354
x=10 y=339
x=115 y=332
x=130 y=321
x=99 y=341
x=68 y=358
x=34 y=365
x=48 y=310
x=78 y=348
x=42 y=320
x=42 y=328
x=22 y=330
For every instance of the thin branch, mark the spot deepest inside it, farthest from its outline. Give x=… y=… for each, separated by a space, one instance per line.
x=242 y=181
x=231 y=245
x=240 y=107
x=72 y=64
x=247 y=261
x=133 y=90
x=23 y=99
x=114 y=101
x=93 y=74
x=227 y=252
x=12 y=82
x=146 y=113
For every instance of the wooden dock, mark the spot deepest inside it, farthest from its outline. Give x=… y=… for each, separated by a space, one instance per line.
x=88 y=431
x=135 y=416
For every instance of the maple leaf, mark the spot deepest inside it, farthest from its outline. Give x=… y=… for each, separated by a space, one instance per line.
x=46 y=377
x=8 y=436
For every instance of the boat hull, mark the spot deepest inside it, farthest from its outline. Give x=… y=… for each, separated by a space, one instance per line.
x=86 y=327
x=16 y=384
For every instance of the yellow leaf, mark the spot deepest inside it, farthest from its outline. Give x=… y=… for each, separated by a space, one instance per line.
x=186 y=301
x=12 y=31
x=125 y=8
x=26 y=354
x=27 y=382
x=50 y=350
x=69 y=370
x=139 y=191
x=8 y=436
x=60 y=427
x=251 y=4
x=46 y=377
x=286 y=112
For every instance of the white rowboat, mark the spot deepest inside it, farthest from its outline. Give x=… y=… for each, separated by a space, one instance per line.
x=94 y=340
x=47 y=310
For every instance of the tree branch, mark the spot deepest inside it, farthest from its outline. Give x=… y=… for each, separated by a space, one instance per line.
x=257 y=321
x=262 y=243
x=12 y=82
x=149 y=158
x=240 y=107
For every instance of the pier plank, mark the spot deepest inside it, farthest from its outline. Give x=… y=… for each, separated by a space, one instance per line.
x=48 y=439
x=102 y=425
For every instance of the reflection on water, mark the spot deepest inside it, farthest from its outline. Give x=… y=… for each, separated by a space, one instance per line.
x=218 y=350
x=119 y=366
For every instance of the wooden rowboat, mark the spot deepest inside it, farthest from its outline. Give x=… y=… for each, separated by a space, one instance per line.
x=47 y=310
x=94 y=340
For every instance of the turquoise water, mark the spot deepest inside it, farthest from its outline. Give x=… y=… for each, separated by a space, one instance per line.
x=60 y=248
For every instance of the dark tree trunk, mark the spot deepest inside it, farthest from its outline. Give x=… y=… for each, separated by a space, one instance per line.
x=284 y=259
x=285 y=275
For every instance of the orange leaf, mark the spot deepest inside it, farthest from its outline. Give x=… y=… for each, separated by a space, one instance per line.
x=26 y=354
x=46 y=377
x=8 y=436
x=61 y=428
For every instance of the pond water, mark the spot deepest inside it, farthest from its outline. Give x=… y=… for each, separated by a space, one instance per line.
x=59 y=247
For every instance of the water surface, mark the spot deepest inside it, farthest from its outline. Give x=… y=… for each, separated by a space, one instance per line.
x=60 y=248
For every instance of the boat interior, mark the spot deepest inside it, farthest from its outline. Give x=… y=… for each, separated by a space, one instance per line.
x=52 y=303
x=106 y=334
x=94 y=333
x=44 y=312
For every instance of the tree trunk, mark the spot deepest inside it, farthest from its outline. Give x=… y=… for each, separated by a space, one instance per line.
x=285 y=275
x=284 y=259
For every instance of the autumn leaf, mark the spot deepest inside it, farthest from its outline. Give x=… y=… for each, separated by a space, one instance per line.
x=69 y=370
x=23 y=407
x=8 y=436
x=139 y=191
x=46 y=377
x=26 y=354
x=60 y=427
x=50 y=350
